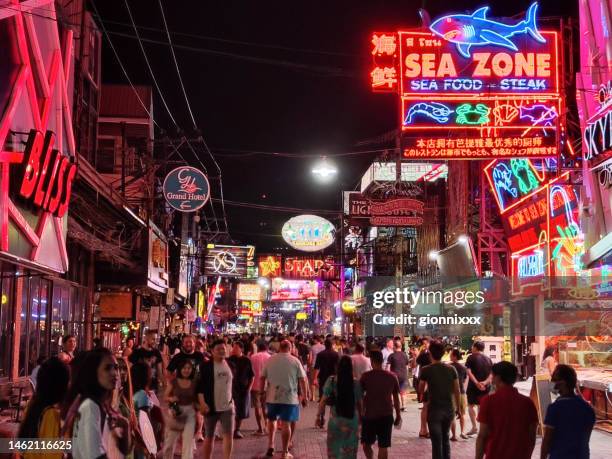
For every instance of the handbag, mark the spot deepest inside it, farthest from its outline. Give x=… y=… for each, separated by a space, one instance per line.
x=331 y=400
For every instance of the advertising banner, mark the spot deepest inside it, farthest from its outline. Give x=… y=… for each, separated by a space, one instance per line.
x=226 y=260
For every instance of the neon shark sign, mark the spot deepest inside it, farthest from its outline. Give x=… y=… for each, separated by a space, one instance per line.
x=467 y=31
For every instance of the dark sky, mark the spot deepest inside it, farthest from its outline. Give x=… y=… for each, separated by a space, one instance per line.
x=318 y=104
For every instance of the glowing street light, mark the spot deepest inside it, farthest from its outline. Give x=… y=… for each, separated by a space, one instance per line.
x=324 y=170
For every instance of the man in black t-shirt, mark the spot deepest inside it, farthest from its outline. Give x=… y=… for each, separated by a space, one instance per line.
x=303 y=351
x=398 y=363
x=479 y=380
x=187 y=352
x=150 y=355
x=325 y=366
x=241 y=385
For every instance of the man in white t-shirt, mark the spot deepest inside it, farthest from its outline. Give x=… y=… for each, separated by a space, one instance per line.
x=285 y=375
x=214 y=391
x=361 y=363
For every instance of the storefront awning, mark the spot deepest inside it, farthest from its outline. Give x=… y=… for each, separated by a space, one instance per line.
x=598 y=251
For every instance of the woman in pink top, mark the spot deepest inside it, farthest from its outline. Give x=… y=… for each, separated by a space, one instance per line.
x=258 y=360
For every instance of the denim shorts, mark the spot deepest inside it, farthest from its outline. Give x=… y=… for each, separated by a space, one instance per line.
x=282 y=411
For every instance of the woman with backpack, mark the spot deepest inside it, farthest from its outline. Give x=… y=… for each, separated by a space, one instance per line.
x=344 y=395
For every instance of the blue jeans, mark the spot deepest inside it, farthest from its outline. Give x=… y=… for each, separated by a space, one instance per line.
x=439 y=427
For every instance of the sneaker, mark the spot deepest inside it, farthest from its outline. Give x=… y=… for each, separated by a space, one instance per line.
x=238 y=435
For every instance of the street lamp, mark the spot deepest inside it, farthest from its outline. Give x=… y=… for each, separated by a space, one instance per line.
x=324 y=170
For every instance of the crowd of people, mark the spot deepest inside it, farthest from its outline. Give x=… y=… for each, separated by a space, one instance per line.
x=142 y=401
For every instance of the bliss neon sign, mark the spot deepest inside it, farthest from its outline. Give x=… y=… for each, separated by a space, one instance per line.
x=467 y=31
x=47 y=175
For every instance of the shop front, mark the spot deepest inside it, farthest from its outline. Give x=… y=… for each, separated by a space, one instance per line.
x=37 y=171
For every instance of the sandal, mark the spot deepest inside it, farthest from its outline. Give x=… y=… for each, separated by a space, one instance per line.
x=453 y=439
x=423 y=435
x=270 y=452
x=464 y=436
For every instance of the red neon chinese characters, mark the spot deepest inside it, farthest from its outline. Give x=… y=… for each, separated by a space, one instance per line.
x=384 y=44
x=385 y=76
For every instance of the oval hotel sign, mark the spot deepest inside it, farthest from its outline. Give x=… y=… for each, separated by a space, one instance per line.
x=308 y=233
x=186 y=189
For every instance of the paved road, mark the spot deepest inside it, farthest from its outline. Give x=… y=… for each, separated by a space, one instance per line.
x=310 y=442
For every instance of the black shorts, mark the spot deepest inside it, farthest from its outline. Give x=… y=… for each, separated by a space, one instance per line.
x=380 y=428
x=474 y=395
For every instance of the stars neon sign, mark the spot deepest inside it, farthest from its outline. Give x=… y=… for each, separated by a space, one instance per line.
x=467 y=31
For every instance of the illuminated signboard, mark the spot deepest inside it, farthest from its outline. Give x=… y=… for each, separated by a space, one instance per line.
x=598 y=137
x=309 y=268
x=250 y=292
x=288 y=290
x=186 y=189
x=384 y=74
x=485 y=147
x=494 y=82
x=512 y=179
x=411 y=172
x=393 y=212
x=521 y=115
x=226 y=260
x=269 y=266
x=474 y=54
x=531 y=265
x=308 y=233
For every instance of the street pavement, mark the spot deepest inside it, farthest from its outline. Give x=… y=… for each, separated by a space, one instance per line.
x=310 y=441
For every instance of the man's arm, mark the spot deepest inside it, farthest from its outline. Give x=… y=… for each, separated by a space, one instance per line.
x=483 y=433
x=472 y=377
x=397 y=406
x=457 y=394
x=303 y=390
x=204 y=409
x=546 y=441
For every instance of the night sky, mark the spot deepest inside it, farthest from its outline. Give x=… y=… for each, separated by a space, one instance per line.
x=314 y=100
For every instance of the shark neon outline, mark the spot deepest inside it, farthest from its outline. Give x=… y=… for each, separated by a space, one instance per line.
x=476 y=30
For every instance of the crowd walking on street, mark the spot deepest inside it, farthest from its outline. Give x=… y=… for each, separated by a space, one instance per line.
x=162 y=400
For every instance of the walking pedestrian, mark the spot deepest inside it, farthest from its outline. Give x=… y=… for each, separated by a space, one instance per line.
x=569 y=419
x=442 y=387
x=149 y=354
x=258 y=361
x=508 y=420
x=214 y=391
x=398 y=365
x=549 y=361
x=286 y=389
x=361 y=363
x=181 y=398
x=381 y=397
x=42 y=415
x=97 y=429
x=242 y=383
x=422 y=360
x=387 y=350
x=325 y=366
x=316 y=347
x=456 y=355
x=344 y=394
x=479 y=379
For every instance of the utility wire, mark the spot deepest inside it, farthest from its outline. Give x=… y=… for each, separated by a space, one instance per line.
x=163 y=99
x=238 y=42
x=178 y=72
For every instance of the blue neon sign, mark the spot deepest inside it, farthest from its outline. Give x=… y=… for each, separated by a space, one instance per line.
x=476 y=30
